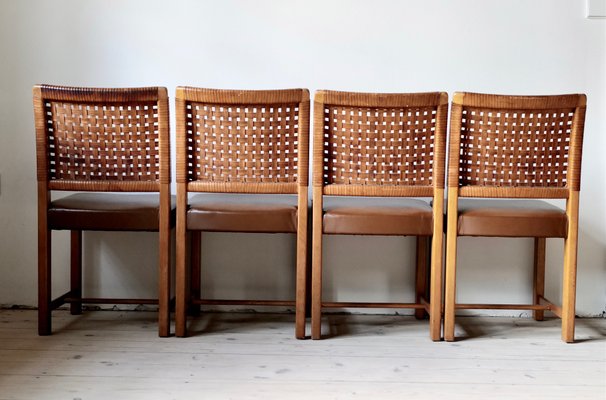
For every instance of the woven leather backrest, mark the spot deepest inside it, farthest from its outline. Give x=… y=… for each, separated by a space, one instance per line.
x=104 y=136
x=378 y=141
x=515 y=141
x=244 y=137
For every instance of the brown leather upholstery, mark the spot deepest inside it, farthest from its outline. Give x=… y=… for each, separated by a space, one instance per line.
x=408 y=217
x=107 y=212
x=510 y=218
x=213 y=216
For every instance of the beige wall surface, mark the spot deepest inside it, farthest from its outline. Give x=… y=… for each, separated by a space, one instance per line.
x=517 y=47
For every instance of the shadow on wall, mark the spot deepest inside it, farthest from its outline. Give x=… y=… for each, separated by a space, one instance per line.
x=120 y=264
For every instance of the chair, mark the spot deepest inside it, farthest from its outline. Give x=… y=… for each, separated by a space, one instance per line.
x=512 y=148
x=381 y=145
x=246 y=142
x=100 y=141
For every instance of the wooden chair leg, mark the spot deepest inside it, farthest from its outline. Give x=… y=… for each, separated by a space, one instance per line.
x=181 y=281
x=195 y=279
x=451 y=266
x=301 y=271
x=436 y=269
x=421 y=289
x=44 y=280
x=316 y=274
x=76 y=271
x=181 y=291
x=570 y=268
x=539 y=275
x=164 y=270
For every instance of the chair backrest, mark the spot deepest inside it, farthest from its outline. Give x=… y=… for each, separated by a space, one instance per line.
x=93 y=139
x=242 y=141
x=370 y=144
x=516 y=146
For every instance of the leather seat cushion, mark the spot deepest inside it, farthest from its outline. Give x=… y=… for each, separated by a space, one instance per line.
x=108 y=212
x=510 y=218
x=409 y=217
x=212 y=216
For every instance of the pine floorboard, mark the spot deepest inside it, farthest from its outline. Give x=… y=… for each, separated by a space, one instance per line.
x=105 y=354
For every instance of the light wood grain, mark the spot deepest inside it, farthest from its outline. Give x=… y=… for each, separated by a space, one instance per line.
x=254 y=356
x=301 y=286
x=437 y=268
x=316 y=264
x=450 y=290
x=569 y=279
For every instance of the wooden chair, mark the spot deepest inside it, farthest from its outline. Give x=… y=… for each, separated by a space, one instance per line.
x=381 y=145
x=248 y=142
x=99 y=141
x=516 y=147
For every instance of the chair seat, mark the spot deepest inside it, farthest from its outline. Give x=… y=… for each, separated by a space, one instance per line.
x=510 y=218
x=409 y=217
x=213 y=216
x=108 y=212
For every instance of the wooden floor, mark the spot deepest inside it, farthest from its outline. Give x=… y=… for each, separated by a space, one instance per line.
x=117 y=355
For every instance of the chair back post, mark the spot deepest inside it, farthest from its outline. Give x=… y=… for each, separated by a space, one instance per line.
x=318 y=153
x=181 y=301
x=439 y=161
x=576 y=144
x=569 y=277
x=164 y=247
x=302 y=215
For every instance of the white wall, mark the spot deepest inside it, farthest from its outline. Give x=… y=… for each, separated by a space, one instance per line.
x=518 y=46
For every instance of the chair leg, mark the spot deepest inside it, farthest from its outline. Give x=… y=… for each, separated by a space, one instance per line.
x=570 y=268
x=451 y=267
x=164 y=270
x=301 y=271
x=181 y=292
x=195 y=280
x=316 y=274
x=539 y=276
x=421 y=289
x=435 y=291
x=76 y=271
x=181 y=285
x=436 y=268
x=44 y=280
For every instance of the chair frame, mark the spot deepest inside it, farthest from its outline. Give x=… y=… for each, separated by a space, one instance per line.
x=46 y=94
x=435 y=191
x=570 y=192
x=188 y=295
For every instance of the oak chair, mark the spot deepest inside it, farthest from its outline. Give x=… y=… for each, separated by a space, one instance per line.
x=512 y=148
x=101 y=141
x=246 y=142
x=381 y=145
